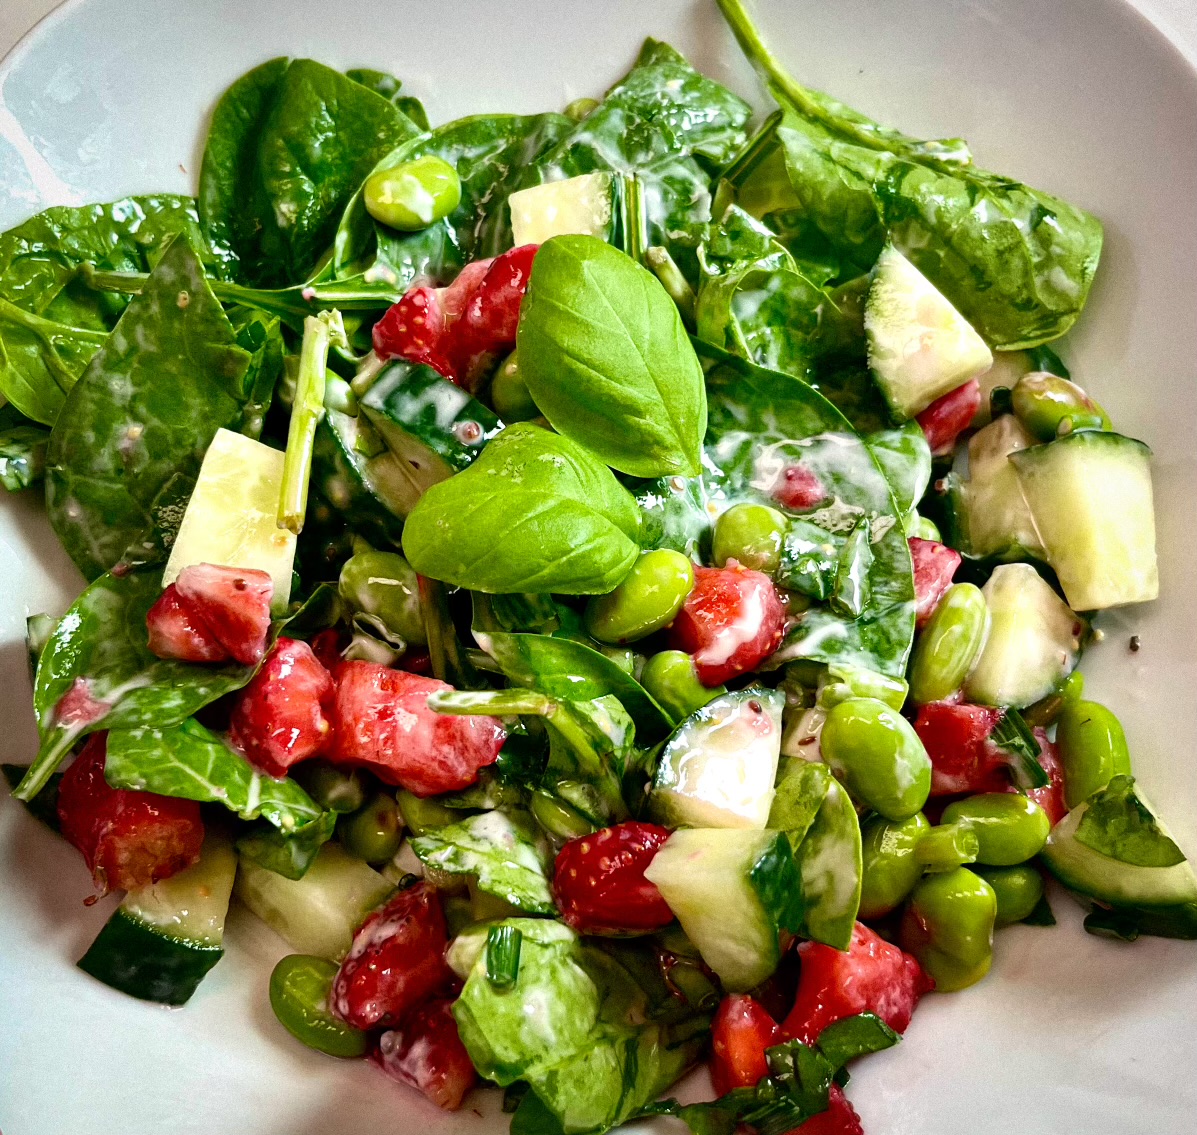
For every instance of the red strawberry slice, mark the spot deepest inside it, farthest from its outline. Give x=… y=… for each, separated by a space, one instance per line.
x=233 y=603
x=381 y=721
x=426 y=1052
x=740 y=1033
x=78 y=706
x=282 y=716
x=488 y=325
x=128 y=839
x=948 y=417
x=599 y=881
x=799 y=489
x=956 y=739
x=840 y=1118
x=872 y=976
x=176 y=633
x=732 y=620
x=934 y=565
x=396 y=961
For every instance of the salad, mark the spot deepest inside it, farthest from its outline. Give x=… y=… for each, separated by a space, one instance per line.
x=605 y=587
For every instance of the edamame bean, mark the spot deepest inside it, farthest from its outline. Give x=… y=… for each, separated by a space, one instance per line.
x=413 y=195
x=1018 y=891
x=878 y=756
x=647 y=600
x=580 y=108
x=383 y=584
x=890 y=867
x=335 y=789
x=509 y=393
x=558 y=818
x=669 y=676
x=751 y=534
x=839 y=683
x=1047 y=710
x=1011 y=827
x=1043 y=402
x=948 y=846
x=950 y=644
x=420 y=815
x=299 y=988
x=948 y=927
x=1093 y=749
x=374 y=832
x=925 y=529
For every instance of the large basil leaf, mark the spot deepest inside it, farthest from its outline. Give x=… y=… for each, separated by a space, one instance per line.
x=98 y=655
x=144 y=411
x=607 y=359
x=535 y=512
x=288 y=145
x=1119 y=824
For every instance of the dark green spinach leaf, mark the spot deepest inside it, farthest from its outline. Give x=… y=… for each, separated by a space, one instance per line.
x=22 y=451
x=287 y=854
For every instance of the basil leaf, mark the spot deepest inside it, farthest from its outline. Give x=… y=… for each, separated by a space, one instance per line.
x=535 y=512
x=606 y=357
x=1117 y=823
x=851 y=1037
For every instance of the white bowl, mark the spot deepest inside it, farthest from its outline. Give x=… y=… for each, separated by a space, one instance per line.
x=1081 y=97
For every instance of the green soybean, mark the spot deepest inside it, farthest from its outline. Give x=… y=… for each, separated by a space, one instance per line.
x=948 y=927
x=878 y=756
x=413 y=195
x=948 y=846
x=670 y=677
x=373 y=833
x=890 y=866
x=580 y=108
x=839 y=683
x=1044 y=402
x=299 y=989
x=1093 y=749
x=647 y=600
x=384 y=586
x=421 y=816
x=924 y=529
x=1010 y=827
x=334 y=789
x=950 y=645
x=1018 y=891
x=509 y=394
x=751 y=534
x=1046 y=711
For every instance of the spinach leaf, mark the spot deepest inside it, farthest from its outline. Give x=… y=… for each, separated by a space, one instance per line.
x=22 y=451
x=291 y=854
x=535 y=512
x=145 y=410
x=905 y=459
x=607 y=359
x=1128 y=923
x=288 y=145
x=97 y=672
x=1118 y=824
x=1017 y=262
x=192 y=762
x=505 y=851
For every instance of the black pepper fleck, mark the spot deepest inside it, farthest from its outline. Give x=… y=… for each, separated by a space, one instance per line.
x=1134 y=644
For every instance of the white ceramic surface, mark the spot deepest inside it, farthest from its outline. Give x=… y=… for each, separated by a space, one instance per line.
x=1082 y=97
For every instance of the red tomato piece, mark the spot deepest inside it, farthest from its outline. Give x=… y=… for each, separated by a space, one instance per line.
x=740 y=1033
x=599 y=880
x=233 y=603
x=948 y=417
x=732 y=620
x=128 y=839
x=396 y=961
x=799 y=489
x=840 y=1118
x=871 y=976
x=381 y=720
x=176 y=633
x=282 y=716
x=1051 y=796
x=956 y=739
x=426 y=1052
x=934 y=566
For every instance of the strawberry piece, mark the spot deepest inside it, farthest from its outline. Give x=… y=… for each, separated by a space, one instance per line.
x=491 y=316
x=327 y=646
x=426 y=1052
x=799 y=489
x=732 y=620
x=840 y=1118
x=740 y=1033
x=934 y=566
x=415 y=329
x=233 y=603
x=948 y=417
x=1051 y=796
x=282 y=716
x=382 y=721
x=956 y=739
x=78 y=707
x=176 y=633
x=599 y=881
x=872 y=976
x=396 y=961
x=128 y=839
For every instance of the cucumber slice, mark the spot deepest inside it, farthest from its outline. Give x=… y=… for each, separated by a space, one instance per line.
x=232 y=516
x=1034 y=640
x=1090 y=494
x=584 y=204
x=163 y=939
x=319 y=913
x=733 y=892
x=920 y=346
x=719 y=767
x=350 y=469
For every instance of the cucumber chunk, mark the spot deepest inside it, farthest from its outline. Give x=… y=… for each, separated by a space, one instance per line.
x=1090 y=494
x=319 y=913
x=719 y=767
x=583 y=204
x=350 y=469
x=733 y=892
x=232 y=516
x=920 y=346
x=163 y=939
x=1034 y=640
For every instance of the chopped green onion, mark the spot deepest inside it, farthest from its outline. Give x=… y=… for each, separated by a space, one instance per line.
x=665 y=268
x=306 y=412
x=503 y=945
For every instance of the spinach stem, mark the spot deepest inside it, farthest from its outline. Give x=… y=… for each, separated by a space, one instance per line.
x=306 y=412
